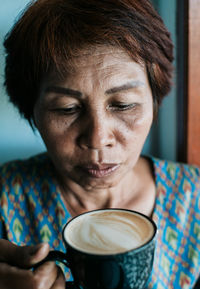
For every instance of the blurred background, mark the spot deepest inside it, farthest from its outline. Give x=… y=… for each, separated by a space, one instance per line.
x=17 y=139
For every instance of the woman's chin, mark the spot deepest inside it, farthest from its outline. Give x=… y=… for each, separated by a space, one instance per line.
x=90 y=183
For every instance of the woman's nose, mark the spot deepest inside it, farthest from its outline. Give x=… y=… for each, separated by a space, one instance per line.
x=98 y=133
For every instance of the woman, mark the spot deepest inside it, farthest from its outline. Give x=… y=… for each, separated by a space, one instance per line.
x=90 y=75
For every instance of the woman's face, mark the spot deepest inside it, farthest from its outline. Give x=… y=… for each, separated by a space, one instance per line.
x=94 y=122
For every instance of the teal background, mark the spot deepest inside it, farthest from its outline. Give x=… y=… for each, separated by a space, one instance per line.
x=17 y=139
x=162 y=141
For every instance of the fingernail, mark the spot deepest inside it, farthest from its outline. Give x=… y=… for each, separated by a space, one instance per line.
x=34 y=249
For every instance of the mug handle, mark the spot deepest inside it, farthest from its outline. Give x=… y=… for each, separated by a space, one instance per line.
x=56 y=255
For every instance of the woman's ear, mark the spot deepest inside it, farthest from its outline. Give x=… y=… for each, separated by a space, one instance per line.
x=32 y=121
x=32 y=124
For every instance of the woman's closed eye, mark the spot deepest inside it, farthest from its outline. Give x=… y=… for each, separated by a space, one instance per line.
x=69 y=110
x=120 y=106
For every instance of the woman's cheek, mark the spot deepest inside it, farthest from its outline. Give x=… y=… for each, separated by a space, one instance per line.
x=135 y=121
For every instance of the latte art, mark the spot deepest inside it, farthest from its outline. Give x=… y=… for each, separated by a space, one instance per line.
x=108 y=232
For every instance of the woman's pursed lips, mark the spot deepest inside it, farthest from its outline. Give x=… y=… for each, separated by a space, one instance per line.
x=100 y=170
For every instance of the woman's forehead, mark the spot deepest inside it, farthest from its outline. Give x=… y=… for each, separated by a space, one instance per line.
x=101 y=56
x=106 y=59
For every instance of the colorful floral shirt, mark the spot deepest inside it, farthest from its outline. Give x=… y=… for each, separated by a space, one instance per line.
x=32 y=210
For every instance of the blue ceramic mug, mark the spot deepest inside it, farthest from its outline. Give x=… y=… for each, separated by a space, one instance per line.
x=108 y=249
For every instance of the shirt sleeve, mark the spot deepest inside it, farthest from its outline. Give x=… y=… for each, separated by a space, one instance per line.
x=2 y=204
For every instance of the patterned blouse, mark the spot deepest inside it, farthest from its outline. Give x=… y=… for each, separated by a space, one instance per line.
x=32 y=210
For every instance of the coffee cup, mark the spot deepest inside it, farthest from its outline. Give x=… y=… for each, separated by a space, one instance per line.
x=108 y=249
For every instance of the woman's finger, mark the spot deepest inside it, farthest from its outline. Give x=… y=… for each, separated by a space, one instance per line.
x=60 y=280
x=22 y=256
x=45 y=275
x=12 y=277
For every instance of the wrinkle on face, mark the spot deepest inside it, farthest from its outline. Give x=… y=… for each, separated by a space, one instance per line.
x=93 y=76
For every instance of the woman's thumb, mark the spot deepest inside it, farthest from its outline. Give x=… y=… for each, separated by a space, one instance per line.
x=22 y=256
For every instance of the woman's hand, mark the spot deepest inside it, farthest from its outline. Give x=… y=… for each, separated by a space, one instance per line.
x=15 y=262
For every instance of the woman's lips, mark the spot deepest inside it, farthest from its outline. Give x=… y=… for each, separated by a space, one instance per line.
x=100 y=171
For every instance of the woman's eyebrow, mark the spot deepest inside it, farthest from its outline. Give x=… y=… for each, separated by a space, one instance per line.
x=72 y=92
x=64 y=91
x=126 y=86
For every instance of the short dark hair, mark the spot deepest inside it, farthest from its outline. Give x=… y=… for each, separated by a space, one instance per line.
x=50 y=33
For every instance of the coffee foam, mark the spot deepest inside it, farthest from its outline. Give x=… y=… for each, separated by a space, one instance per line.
x=108 y=232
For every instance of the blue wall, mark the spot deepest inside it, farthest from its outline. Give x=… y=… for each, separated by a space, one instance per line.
x=16 y=137
x=163 y=138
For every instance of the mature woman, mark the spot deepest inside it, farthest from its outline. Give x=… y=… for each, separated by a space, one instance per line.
x=90 y=75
